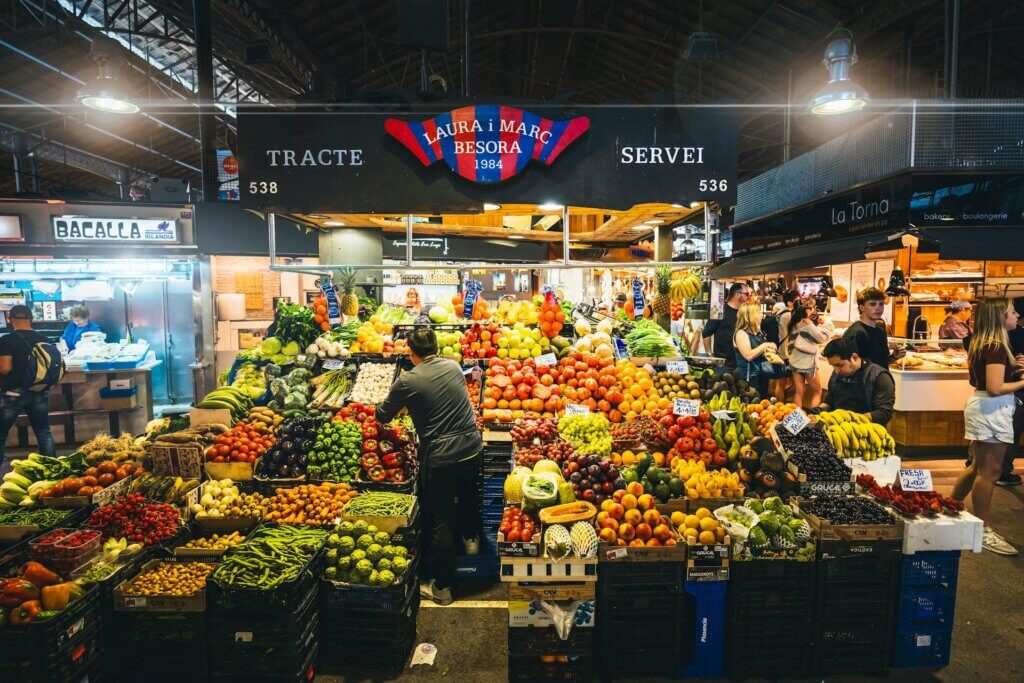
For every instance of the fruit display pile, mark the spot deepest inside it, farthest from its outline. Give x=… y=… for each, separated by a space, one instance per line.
x=308 y=504
x=588 y=434
x=645 y=430
x=672 y=385
x=652 y=479
x=767 y=529
x=242 y=443
x=530 y=429
x=360 y=553
x=813 y=454
x=530 y=455
x=136 y=519
x=847 y=510
x=714 y=384
x=178 y=579
x=766 y=413
x=518 y=526
x=909 y=503
x=592 y=477
x=630 y=520
x=701 y=526
x=763 y=471
x=700 y=483
x=693 y=438
x=854 y=435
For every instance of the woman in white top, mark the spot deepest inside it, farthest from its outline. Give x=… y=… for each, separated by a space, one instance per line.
x=805 y=333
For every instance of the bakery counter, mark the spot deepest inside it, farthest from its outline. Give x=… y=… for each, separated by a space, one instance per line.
x=929 y=408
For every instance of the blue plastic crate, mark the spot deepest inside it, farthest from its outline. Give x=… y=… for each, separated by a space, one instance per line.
x=926 y=605
x=931 y=569
x=706 y=601
x=477 y=566
x=922 y=646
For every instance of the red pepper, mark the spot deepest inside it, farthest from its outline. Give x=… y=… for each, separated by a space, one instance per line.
x=13 y=592
x=391 y=460
x=376 y=473
x=395 y=474
x=370 y=446
x=384 y=445
x=39 y=574
x=369 y=431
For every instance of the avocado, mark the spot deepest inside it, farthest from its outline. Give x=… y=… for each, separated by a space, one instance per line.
x=773 y=462
x=644 y=463
x=661 y=492
x=676 y=487
x=761 y=445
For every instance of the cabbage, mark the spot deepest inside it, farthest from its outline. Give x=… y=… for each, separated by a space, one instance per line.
x=539 y=492
x=438 y=314
x=291 y=349
x=270 y=346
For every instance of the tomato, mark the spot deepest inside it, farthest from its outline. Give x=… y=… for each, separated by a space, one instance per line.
x=223 y=449
x=512 y=536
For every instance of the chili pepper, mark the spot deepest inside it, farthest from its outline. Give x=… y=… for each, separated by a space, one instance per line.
x=25 y=613
x=376 y=473
x=13 y=592
x=370 y=446
x=370 y=460
x=38 y=574
x=48 y=614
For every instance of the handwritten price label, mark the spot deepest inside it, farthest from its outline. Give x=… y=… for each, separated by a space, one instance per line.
x=796 y=421
x=332 y=364
x=547 y=359
x=576 y=409
x=916 y=480
x=686 y=406
x=678 y=366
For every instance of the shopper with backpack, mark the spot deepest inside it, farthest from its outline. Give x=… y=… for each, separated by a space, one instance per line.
x=29 y=367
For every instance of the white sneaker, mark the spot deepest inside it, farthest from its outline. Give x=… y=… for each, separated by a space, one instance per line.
x=471 y=545
x=440 y=596
x=992 y=541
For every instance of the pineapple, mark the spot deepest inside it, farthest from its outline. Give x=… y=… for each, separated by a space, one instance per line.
x=349 y=301
x=660 y=303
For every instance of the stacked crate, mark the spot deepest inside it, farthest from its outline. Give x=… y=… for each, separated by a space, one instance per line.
x=707 y=579
x=641 y=611
x=770 y=624
x=495 y=466
x=924 y=625
x=857 y=590
x=535 y=650
x=265 y=635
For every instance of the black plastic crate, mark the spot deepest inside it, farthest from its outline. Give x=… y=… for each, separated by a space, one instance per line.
x=301 y=671
x=38 y=640
x=338 y=595
x=167 y=629
x=369 y=625
x=73 y=519
x=148 y=664
x=375 y=648
x=529 y=668
x=259 y=660
x=657 y=659
x=69 y=662
x=858 y=561
x=922 y=646
x=767 y=575
x=926 y=605
x=545 y=641
x=631 y=576
x=779 y=605
x=658 y=603
x=227 y=629
x=870 y=659
x=288 y=597
x=768 y=657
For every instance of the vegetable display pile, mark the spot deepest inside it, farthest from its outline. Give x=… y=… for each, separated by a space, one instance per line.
x=648 y=340
x=105 y=447
x=767 y=529
x=65 y=550
x=228 y=398
x=35 y=594
x=215 y=542
x=847 y=510
x=139 y=521
x=295 y=323
x=388 y=454
x=518 y=526
x=290 y=391
x=336 y=452
x=380 y=504
x=359 y=553
x=373 y=383
x=308 y=504
x=909 y=503
x=242 y=443
x=694 y=438
x=36 y=473
x=288 y=456
x=29 y=516
x=163 y=489
x=93 y=480
x=271 y=557
x=814 y=455
x=331 y=388
x=249 y=378
x=179 y=579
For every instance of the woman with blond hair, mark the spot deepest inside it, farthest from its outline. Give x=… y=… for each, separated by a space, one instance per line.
x=988 y=414
x=750 y=345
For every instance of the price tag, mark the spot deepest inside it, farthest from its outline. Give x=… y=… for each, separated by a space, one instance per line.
x=576 y=409
x=75 y=627
x=300 y=359
x=621 y=351
x=332 y=364
x=547 y=359
x=916 y=480
x=796 y=421
x=243 y=636
x=135 y=602
x=679 y=366
x=686 y=406
x=616 y=553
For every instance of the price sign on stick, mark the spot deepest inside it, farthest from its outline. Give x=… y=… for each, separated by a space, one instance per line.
x=686 y=406
x=547 y=359
x=576 y=409
x=678 y=366
x=796 y=421
x=916 y=480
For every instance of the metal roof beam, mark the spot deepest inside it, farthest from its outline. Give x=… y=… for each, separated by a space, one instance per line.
x=58 y=152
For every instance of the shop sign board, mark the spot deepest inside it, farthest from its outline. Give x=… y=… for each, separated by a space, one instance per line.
x=96 y=230
x=609 y=157
x=958 y=200
x=465 y=249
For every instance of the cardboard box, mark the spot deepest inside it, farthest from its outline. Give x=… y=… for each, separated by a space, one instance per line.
x=547 y=570
x=120 y=403
x=944 y=532
x=527 y=591
x=662 y=553
x=156 y=603
x=707 y=561
x=121 y=384
x=525 y=608
x=823 y=530
x=185 y=460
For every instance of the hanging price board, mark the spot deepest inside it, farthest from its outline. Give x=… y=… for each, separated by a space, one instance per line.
x=576 y=409
x=331 y=294
x=916 y=480
x=547 y=359
x=638 y=299
x=678 y=366
x=686 y=406
x=796 y=421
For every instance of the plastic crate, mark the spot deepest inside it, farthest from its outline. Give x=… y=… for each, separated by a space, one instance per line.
x=336 y=595
x=288 y=597
x=369 y=625
x=931 y=569
x=73 y=518
x=545 y=642
x=166 y=629
x=300 y=671
x=926 y=605
x=772 y=575
x=628 y=577
x=704 y=637
x=858 y=561
x=38 y=640
x=531 y=668
x=69 y=662
x=227 y=630
x=263 y=661
x=922 y=646
x=389 y=649
x=857 y=659
x=656 y=603
x=482 y=566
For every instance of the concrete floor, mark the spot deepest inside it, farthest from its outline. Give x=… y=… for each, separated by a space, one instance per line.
x=988 y=638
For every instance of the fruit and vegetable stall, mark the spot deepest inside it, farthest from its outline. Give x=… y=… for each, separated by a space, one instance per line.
x=625 y=488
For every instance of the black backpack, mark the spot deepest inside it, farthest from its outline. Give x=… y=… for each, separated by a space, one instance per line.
x=770 y=328
x=44 y=366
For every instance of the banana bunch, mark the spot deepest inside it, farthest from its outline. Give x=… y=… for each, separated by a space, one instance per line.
x=230 y=398
x=685 y=287
x=839 y=416
x=864 y=440
x=264 y=416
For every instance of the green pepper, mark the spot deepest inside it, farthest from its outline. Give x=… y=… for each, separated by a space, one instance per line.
x=48 y=614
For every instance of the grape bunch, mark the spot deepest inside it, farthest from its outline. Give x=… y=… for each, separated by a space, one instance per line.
x=848 y=510
x=525 y=430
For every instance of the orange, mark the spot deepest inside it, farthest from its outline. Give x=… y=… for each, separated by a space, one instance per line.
x=708 y=524
x=628 y=458
x=633 y=517
x=706 y=537
x=629 y=501
x=720 y=534
x=659 y=459
x=701 y=513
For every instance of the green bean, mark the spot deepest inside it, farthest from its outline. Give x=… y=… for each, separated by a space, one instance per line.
x=271 y=557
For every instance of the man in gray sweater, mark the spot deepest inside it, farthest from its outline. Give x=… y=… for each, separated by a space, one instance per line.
x=434 y=392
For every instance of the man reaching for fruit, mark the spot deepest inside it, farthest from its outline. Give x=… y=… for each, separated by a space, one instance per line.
x=857 y=384
x=434 y=392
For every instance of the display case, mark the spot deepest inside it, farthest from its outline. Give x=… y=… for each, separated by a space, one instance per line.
x=930 y=355
x=932 y=386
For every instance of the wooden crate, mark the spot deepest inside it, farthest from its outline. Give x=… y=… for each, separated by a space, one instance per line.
x=581 y=590
x=661 y=553
x=826 y=531
x=547 y=570
x=927 y=428
x=103 y=497
x=157 y=603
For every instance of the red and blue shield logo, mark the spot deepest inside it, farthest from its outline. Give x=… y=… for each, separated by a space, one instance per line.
x=487 y=143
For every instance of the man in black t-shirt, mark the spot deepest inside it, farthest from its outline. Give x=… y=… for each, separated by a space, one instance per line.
x=15 y=349
x=718 y=334
x=868 y=332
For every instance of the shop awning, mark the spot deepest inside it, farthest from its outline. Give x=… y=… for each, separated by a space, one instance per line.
x=795 y=258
